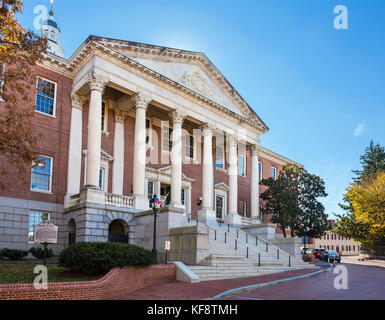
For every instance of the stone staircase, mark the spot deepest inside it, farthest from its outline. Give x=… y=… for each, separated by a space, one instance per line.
x=235 y=254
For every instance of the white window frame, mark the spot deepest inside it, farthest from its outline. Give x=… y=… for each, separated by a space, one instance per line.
x=244 y=168
x=187 y=147
x=53 y=115
x=164 y=125
x=105 y=122
x=275 y=173
x=50 y=177
x=243 y=214
x=223 y=158
x=260 y=172
x=36 y=211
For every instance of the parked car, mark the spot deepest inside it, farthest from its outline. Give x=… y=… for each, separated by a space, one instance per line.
x=317 y=252
x=330 y=256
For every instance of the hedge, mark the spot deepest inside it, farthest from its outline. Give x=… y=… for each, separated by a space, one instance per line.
x=39 y=253
x=14 y=254
x=97 y=258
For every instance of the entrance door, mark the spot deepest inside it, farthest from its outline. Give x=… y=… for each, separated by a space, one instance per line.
x=219 y=208
x=116 y=232
x=164 y=190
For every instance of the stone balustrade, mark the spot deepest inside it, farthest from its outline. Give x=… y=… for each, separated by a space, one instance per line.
x=118 y=200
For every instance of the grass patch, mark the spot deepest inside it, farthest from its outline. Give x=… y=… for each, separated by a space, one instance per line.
x=23 y=273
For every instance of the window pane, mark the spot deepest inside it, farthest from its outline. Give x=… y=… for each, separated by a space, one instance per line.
x=41 y=175
x=242 y=166
x=219 y=157
x=35 y=218
x=45 y=96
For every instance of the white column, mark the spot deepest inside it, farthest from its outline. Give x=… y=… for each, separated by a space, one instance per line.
x=75 y=146
x=176 y=159
x=232 y=216
x=141 y=101
x=254 y=189
x=97 y=85
x=207 y=212
x=118 y=167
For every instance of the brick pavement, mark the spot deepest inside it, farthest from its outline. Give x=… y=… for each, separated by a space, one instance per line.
x=364 y=283
x=206 y=289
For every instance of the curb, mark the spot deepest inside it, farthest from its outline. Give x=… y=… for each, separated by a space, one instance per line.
x=266 y=284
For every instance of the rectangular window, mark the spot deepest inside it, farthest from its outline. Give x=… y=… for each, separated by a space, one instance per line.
x=219 y=156
x=148 y=132
x=242 y=166
x=150 y=190
x=190 y=146
x=101 y=179
x=274 y=173
x=104 y=117
x=35 y=218
x=166 y=138
x=243 y=208
x=46 y=96
x=41 y=178
x=260 y=171
x=183 y=196
x=219 y=201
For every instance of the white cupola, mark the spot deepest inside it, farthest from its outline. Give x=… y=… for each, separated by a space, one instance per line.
x=51 y=31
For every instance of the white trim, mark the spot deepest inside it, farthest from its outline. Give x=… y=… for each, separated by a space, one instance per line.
x=103 y=165
x=239 y=166
x=260 y=172
x=50 y=177
x=275 y=172
x=187 y=157
x=53 y=115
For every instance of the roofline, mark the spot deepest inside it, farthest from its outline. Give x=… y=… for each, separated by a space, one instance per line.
x=278 y=156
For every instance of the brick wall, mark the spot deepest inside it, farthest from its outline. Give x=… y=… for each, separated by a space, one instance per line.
x=117 y=283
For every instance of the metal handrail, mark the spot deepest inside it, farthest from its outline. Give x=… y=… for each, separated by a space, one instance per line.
x=258 y=237
x=243 y=243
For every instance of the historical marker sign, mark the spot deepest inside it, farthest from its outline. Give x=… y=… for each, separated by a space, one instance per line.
x=46 y=232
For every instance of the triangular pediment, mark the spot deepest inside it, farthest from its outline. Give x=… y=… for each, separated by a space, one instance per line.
x=192 y=70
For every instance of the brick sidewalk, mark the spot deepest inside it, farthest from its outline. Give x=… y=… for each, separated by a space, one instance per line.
x=206 y=289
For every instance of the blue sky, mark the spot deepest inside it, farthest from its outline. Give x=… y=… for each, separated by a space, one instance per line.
x=319 y=89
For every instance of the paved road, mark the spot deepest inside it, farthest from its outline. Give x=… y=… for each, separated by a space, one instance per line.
x=365 y=282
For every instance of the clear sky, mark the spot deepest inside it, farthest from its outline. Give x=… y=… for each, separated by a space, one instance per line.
x=320 y=90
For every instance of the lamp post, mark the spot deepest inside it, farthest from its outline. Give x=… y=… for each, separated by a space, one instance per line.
x=156 y=211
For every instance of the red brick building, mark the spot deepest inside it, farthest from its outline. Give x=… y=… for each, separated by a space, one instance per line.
x=123 y=121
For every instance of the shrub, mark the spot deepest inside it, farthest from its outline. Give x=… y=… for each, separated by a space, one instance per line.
x=39 y=253
x=96 y=258
x=14 y=254
x=1 y=254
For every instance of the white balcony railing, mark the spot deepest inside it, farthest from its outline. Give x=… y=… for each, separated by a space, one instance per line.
x=118 y=200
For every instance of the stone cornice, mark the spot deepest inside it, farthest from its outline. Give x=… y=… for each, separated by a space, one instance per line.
x=263 y=152
x=89 y=45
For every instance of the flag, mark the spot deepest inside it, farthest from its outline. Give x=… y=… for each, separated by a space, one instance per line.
x=51 y=1
x=159 y=203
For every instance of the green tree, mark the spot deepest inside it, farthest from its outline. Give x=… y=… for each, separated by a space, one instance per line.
x=20 y=50
x=292 y=200
x=373 y=162
x=351 y=224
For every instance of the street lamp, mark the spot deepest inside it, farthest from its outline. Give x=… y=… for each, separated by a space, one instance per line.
x=156 y=210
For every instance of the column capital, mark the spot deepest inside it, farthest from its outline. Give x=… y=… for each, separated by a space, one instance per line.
x=97 y=82
x=142 y=100
x=207 y=129
x=177 y=117
x=232 y=139
x=78 y=101
x=254 y=149
x=120 y=115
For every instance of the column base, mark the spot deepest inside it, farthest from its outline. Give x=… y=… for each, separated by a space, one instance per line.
x=177 y=207
x=141 y=203
x=207 y=215
x=234 y=219
x=92 y=195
